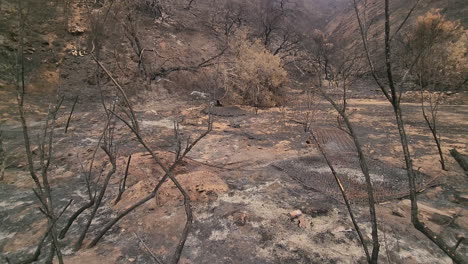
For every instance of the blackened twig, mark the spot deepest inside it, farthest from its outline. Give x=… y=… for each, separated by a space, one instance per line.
x=155 y=258
x=71 y=113
x=123 y=182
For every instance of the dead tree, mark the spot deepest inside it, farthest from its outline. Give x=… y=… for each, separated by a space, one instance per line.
x=277 y=27
x=227 y=17
x=43 y=190
x=39 y=174
x=429 y=113
x=392 y=92
x=90 y=182
x=131 y=32
x=163 y=72
x=365 y=170
x=110 y=149
x=345 y=198
x=345 y=71
x=321 y=51
x=288 y=42
x=132 y=124
x=271 y=15
x=431 y=43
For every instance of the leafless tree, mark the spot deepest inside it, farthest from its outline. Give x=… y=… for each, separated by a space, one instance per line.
x=340 y=66
x=40 y=175
x=320 y=55
x=131 y=31
x=430 y=43
x=157 y=8
x=375 y=251
x=109 y=148
x=277 y=27
x=227 y=17
x=271 y=15
x=95 y=184
x=392 y=92
x=429 y=112
x=345 y=71
x=181 y=153
x=43 y=189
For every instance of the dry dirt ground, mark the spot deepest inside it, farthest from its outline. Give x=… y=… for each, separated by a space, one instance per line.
x=241 y=197
x=244 y=178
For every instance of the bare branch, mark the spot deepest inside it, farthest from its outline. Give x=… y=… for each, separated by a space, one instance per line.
x=345 y=197
x=406 y=19
x=123 y=182
x=367 y=51
x=71 y=113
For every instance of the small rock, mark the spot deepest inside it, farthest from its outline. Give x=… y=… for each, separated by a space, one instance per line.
x=341 y=229
x=68 y=174
x=131 y=260
x=437 y=216
x=76 y=29
x=452 y=198
x=199 y=95
x=398 y=212
x=461 y=198
x=30 y=50
x=240 y=218
x=303 y=222
x=295 y=214
x=91 y=80
x=433 y=193
x=440 y=219
x=35 y=150
x=462 y=221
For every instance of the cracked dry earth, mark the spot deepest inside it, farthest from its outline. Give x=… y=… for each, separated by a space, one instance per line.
x=241 y=196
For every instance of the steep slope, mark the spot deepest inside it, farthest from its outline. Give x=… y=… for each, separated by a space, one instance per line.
x=344 y=22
